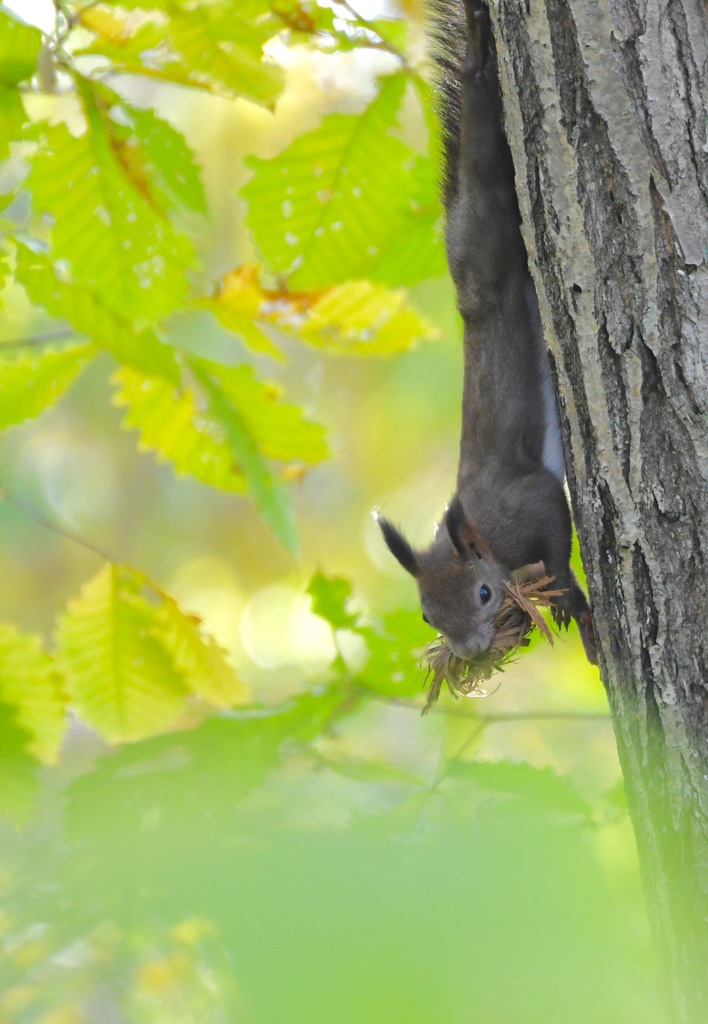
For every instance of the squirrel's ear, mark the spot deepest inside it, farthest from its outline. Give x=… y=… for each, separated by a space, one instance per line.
x=397 y=544
x=462 y=533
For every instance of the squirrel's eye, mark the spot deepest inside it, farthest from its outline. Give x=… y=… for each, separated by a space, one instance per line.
x=484 y=593
x=425 y=619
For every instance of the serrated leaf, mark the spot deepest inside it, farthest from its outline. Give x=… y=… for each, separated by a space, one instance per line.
x=535 y=785
x=106 y=229
x=280 y=430
x=19 y=48
x=346 y=195
x=223 y=48
x=12 y=119
x=216 y=47
x=362 y=318
x=86 y=311
x=29 y=384
x=353 y=318
x=330 y=595
x=127 y=47
x=168 y=160
x=268 y=492
x=119 y=677
x=30 y=684
x=171 y=426
x=198 y=657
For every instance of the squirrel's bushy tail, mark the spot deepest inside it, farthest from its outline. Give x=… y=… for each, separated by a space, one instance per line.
x=448 y=35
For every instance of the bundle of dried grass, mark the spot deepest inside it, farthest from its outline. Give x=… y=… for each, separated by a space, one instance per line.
x=515 y=620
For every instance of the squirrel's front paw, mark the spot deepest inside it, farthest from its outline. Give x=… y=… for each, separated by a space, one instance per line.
x=561 y=612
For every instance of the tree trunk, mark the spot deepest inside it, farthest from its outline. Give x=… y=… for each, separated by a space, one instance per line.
x=605 y=106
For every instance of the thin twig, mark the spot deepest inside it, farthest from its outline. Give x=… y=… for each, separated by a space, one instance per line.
x=560 y=716
x=380 y=43
x=43 y=521
x=40 y=339
x=445 y=766
x=494 y=718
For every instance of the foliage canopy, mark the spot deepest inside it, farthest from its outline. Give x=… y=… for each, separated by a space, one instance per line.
x=103 y=211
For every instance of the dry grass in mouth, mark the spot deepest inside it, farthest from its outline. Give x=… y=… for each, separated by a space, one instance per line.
x=515 y=620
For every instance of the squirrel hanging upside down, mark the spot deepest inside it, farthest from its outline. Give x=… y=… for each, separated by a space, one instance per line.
x=509 y=509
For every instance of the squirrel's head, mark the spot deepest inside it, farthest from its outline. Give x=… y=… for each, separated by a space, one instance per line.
x=461 y=586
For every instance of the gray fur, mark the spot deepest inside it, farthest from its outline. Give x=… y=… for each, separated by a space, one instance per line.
x=510 y=474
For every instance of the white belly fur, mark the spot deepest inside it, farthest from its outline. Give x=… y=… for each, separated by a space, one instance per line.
x=553 y=457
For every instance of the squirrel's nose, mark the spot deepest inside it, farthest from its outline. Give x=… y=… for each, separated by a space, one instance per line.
x=466 y=650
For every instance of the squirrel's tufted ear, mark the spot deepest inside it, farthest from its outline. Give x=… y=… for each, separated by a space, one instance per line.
x=397 y=544
x=462 y=533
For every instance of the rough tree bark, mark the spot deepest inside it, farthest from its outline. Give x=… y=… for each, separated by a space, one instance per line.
x=605 y=103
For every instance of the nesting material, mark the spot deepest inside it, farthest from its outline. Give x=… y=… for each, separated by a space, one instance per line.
x=518 y=614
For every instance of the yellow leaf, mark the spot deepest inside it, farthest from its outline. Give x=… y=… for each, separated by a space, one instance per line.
x=362 y=318
x=120 y=679
x=171 y=426
x=238 y=304
x=109 y=25
x=198 y=657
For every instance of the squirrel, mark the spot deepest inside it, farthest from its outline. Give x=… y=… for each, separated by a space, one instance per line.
x=509 y=509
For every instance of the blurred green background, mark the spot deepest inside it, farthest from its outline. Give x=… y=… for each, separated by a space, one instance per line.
x=322 y=854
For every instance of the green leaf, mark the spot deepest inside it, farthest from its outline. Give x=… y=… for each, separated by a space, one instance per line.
x=171 y=426
x=347 y=195
x=330 y=595
x=129 y=47
x=268 y=492
x=104 y=225
x=542 y=786
x=19 y=48
x=395 y=646
x=18 y=770
x=119 y=677
x=29 y=384
x=128 y=5
x=12 y=119
x=88 y=314
x=371 y=771
x=364 y=319
x=198 y=657
x=220 y=46
x=280 y=429
x=30 y=684
x=4 y=272
x=416 y=251
x=170 y=173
